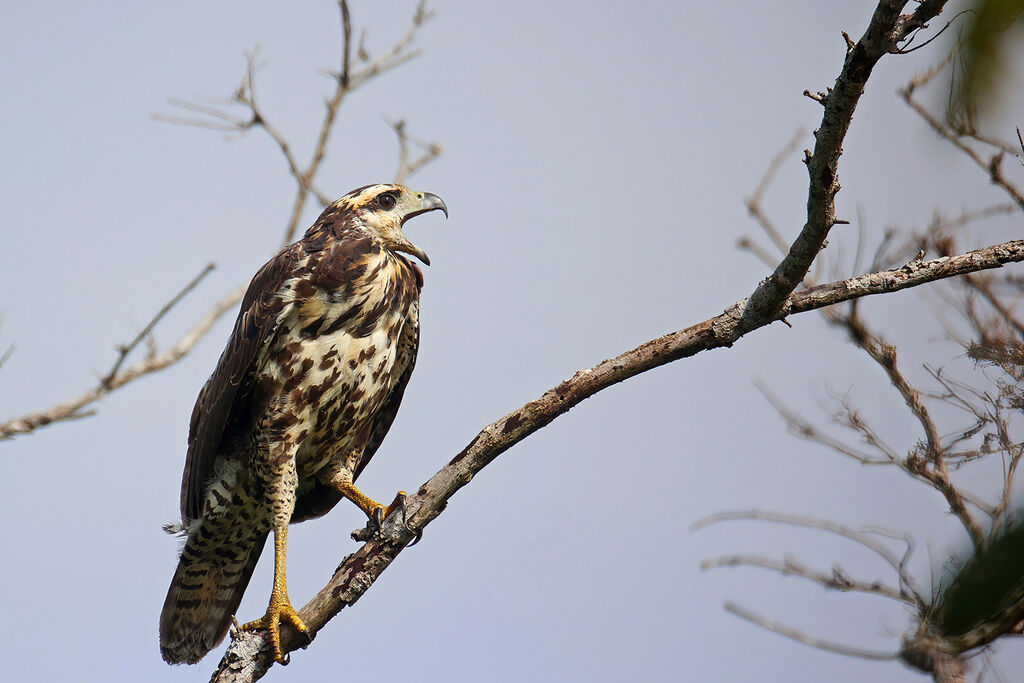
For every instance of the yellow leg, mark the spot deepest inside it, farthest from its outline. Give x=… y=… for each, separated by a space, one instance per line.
x=368 y=505
x=280 y=607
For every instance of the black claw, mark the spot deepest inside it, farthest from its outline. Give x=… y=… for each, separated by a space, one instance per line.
x=286 y=659
x=417 y=539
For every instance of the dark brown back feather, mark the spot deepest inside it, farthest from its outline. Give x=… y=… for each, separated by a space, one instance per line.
x=255 y=326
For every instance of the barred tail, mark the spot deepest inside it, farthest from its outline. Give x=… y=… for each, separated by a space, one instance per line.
x=207 y=587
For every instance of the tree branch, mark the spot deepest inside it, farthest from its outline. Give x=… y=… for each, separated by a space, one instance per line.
x=886 y=30
x=806 y=639
x=836 y=580
x=993 y=165
x=74 y=408
x=244 y=95
x=358 y=572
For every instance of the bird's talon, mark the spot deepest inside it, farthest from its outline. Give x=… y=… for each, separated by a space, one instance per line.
x=279 y=609
x=399 y=503
x=286 y=659
x=416 y=539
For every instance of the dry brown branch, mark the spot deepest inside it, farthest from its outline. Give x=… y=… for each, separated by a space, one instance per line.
x=773 y=300
x=907 y=592
x=116 y=378
x=407 y=165
x=7 y=352
x=806 y=639
x=929 y=465
x=754 y=208
x=360 y=570
x=887 y=28
x=933 y=655
x=345 y=82
x=222 y=120
x=399 y=53
x=126 y=349
x=985 y=288
x=993 y=165
x=836 y=580
x=805 y=430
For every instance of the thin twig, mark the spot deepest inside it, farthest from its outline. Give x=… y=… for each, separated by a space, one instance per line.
x=806 y=639
x=806 y=430
x=859 y=537
x=125 y=349
x=991 y=165
x=406 y=164
x=753 y=202
x=73 y=409
x=836 y=580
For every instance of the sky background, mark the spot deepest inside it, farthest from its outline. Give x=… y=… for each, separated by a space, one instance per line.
x=596 y=160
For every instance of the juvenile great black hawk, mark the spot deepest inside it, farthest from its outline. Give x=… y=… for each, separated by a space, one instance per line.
x=299 y=402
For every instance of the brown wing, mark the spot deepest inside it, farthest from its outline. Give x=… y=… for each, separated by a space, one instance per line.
x=255 y=326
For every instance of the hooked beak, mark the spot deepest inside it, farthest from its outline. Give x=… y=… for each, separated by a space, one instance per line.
x=427 y=202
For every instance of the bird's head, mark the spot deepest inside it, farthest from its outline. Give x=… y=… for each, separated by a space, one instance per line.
x=384 y=208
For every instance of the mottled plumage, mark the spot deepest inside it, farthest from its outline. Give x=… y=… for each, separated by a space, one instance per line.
x=299 y=402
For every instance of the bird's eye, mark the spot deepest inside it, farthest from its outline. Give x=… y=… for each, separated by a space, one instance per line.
x=386 y=201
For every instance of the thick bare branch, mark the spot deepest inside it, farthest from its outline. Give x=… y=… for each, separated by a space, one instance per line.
x=886 y=30
x=360 y=570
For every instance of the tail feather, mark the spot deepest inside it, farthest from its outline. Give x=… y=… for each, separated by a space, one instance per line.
x=205 y=592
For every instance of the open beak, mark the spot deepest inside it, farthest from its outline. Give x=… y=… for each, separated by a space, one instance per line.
x=427 y=202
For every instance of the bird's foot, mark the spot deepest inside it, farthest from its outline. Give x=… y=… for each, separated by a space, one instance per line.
x=375 y=524
x=280 y=608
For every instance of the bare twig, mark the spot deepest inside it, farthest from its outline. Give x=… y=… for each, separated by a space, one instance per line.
x=126 y=349
x=806 y=639
x=74 y=408
x=753 y=202
x=993 y=165
x=931 y=465
x=836 y=580
x=406 y=164
x=887 y=28
x=346 y=81
x=806 y=430
x=908 y=591
x=360 y=570
x=219 y=119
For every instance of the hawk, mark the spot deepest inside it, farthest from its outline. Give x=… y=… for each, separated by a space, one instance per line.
x=300 y=400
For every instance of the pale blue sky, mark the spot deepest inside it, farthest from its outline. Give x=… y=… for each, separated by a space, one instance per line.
x=596 y=160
